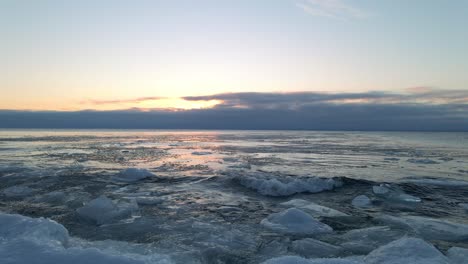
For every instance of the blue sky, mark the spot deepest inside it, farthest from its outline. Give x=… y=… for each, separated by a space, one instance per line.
x=107 y=55
x=60 y=53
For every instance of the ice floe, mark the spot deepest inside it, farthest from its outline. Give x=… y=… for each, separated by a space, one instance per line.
x=312 y=208
x=149 y=200
x=55 y=197
x=42 y=230
x=132 y=175
x=312 y=248
x=201 y=153
x=464 y=206
x=363 y=241
x=422 y=161
x=295 y=221
x=18 y=191
x=436 y=182
x=103 y=210
x=458 y=255
x=300 y=260
x=43 y=241
x=394 y=194
x=286 y=186
x=361 y=201
x=406 y=250
x=428 y=228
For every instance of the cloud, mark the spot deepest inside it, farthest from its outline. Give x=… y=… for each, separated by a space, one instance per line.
x=422 y=110
x=123 y=101
x=336 y=9
x=420 y=95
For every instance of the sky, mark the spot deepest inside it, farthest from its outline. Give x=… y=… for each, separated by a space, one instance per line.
x=187 y=55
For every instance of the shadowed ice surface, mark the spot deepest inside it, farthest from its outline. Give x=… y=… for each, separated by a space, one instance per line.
x=233 y=196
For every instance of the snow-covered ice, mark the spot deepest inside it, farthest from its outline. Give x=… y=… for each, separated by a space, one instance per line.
x=103 y=210
x=312 y=208
x=295 y=221
x=406 y=250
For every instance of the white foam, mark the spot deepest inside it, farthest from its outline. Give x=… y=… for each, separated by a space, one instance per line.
x=406 y=250
x=102 y=210
x=313 y=209
x=295 y=221
x=286 y=186
x=133 y=175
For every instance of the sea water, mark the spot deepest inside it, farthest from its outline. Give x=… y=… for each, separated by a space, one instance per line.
x=232 y=196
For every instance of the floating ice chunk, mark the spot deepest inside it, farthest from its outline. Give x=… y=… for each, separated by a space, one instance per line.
x=380 y=190
x=312 y=208
x=55 y=197
x=394 y=194
x=436 y=182
x=464 y=206
x=286 y=186
x=149 y=200
x=428 y=228
x=363 y=241
x=406 y=250
x=201 y=153
x=422 y=161
x=361 y=201
x=312 y=248
x=132 y=175
x=36 y=229
x=458 y=255
x=299 y=260
x=287 y=260
x=18 y=191
x=23 y=251
x=103 y=210
x=43 y=241
x=295 y=221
